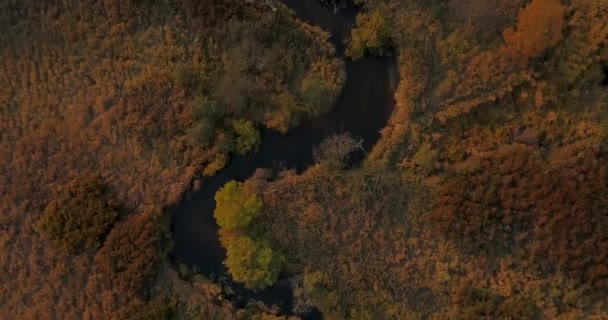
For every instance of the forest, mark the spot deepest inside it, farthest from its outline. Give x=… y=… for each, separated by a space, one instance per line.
x=485 y=197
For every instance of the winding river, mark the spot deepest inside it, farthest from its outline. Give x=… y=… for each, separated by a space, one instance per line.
x=362 y=109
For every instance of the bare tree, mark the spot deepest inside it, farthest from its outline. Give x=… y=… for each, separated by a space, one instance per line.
x=337 y=148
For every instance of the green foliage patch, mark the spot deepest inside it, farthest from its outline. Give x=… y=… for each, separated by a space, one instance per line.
x=235 y=208
x=81 y=217
x=252 y=262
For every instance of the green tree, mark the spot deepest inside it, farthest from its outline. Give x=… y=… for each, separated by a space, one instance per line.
x=371 y=35
x=247 y=136
x=205 y=108
x=81 y=217
x=235 y=207
x=203 y=132
x=207 y=114
x=253 y=263
x=316 y=95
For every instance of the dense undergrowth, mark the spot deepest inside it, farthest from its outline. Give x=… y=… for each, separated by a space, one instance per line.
x=487 y=195
x=146 y=97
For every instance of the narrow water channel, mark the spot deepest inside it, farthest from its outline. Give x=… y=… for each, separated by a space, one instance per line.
x=362 y=109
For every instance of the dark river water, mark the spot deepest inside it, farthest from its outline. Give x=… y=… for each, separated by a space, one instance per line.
x=362 y=109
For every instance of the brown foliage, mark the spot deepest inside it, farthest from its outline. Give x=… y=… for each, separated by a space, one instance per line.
x=486 y=204
x=362 y=243
x=554 y=208
x=478 y=303
x=339 y=226
x=572 y=216
x=516 y=122
x=92 y=87
x=539 y=27
x=130 y=254
x=488 y=18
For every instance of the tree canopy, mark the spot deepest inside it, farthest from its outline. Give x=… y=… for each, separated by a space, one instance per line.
x=81 y=216
x=249 y=259
x=372 y=35
x=235 y=207
x=248 y=138
x=252 y=262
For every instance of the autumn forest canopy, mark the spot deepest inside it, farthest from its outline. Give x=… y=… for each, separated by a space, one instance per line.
x=485 y=196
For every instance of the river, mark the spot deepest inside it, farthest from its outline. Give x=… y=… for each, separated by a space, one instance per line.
x=362 y=108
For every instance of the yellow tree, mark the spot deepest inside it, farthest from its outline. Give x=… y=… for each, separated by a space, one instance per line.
x=253 y=263
x=235 y=208
x=370 y=35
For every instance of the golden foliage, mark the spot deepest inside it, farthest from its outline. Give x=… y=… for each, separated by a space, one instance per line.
x=539 y=27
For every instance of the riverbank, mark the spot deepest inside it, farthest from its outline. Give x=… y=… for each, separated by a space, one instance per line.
x=361 y=109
